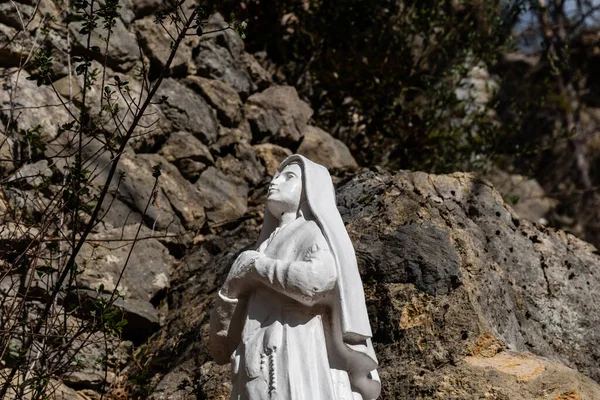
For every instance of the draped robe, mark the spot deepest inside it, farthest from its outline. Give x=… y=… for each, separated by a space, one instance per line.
x=300 y=329
x=282 y=351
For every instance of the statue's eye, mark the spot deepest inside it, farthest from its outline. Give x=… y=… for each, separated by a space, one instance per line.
x=289 y=176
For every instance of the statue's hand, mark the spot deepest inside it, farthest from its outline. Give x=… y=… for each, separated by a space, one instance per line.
x=238 y=274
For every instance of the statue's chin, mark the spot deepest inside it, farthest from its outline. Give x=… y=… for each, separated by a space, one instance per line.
x=277 y=207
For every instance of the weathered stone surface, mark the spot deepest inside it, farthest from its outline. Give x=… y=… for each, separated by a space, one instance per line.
x=155 y=41
x=176 y=385
x=271 y=156
x=188 y=153
x=225 y=197
x=89 y=379
x=220 y=96
x=219 y=56
x=232 y=136
x=507 y=375
x=31 y=175
x=516 y=281
x=242 y=162
x=175 y=196
x=25 y=202
x=187 y=111
x=123 y=50
x=148 y=134
x=465 y=299
x=324 y=149
x=145 y=7
x=279 y=115
x=93 y=351
x=6 y=155
x=126 y=11
x=11 y=52
x=259 y=75
x=35 y=106
x=525 y=195
x=116 y=214
x=103 y=258
x=12 y=13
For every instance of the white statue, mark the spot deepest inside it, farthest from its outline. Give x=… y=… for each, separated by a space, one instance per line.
x=291 y=316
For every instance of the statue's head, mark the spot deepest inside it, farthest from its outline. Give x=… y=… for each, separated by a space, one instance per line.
x=286 y=189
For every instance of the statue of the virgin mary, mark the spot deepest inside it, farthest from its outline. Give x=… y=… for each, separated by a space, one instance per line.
x=291 y=315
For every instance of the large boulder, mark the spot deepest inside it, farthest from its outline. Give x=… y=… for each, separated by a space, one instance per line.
x=156 y=41
x=466 y=300
x=271 y=156
x=175 y=200
x=278 y=115
x=135 y=265
x=220 y=96
x=225 y=196
x=122 y=52
x=35 y=110
x=525 y=195
x=324 y=149
x=219 y=55
x=186 y=110
x=189 y=154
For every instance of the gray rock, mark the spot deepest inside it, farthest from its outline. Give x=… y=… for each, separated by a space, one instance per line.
x=126 y=11
x=259 y=75
x=219 y=56
x=220 y=96
x=271 y=156
x=229 y=137
x=525 y=195
x=324 y=149
x=6 y=155
x=36 y=106
x=135 y=190
x=10 y=11
x=278 y=114
x=176 y=199
x=26 y=203
x=187 y=111
x=116 y=214
x=11 y=52
x=143 y=8
x=175 y=385
x=242 y=163
x=189 y=154
x=88 y=354
x=89 y=379
x=102 y=261
x=9 y=285
x=148 y=134
x=225 y=197
x=31 y=175
x=123 y=49
x=421 y=254
x=156 y=41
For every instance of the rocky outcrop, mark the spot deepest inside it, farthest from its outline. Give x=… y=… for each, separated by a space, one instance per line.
x=466 y=299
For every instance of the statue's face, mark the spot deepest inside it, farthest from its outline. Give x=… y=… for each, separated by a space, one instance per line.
x=286 y=187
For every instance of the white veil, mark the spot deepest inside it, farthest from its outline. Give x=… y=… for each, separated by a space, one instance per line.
x=350 y=332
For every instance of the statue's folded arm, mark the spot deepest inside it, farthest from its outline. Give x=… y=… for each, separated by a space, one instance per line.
x=307 y=281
